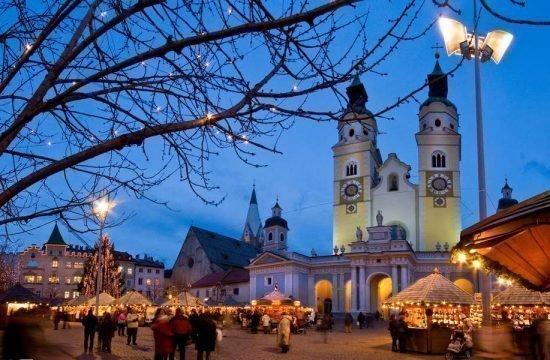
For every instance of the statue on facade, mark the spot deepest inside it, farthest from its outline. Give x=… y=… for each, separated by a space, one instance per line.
x=342 y=249
x=335 y=249
x=446 y=246
x=438 y=246
x=359 y=234
x=313 y=252
x=379 y=218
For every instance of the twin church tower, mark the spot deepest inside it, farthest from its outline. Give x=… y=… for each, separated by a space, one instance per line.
x=427 y=213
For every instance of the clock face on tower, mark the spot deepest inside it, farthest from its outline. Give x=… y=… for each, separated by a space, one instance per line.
x=439 y=184
x=351 y=190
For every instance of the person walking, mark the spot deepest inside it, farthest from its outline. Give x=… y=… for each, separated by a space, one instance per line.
x=254 y=322
x=402 y=333
x=266 y=323
x=181 y=327
x=57 y=318
x=361 y=320
x=121 y=323
x=65 y=317
x=283 y=333
x=206 y=336
x=194 y=319
x=164 y=337
x=90 y=325
x=107 y=329
x=348 y=322
x=393 y=332
x=132 y=323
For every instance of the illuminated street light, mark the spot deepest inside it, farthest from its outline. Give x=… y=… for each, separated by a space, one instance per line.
x=493 y=46
x=101 y=209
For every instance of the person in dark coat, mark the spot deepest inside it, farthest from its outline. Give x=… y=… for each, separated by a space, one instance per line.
x=107 y=328
x=348 y=322
x=65 y=318
x=181 y=327
x=57 y=318
x=194 y=320
x=402 y=333
x=393 y=332
x=361 y=320
x=90 y=325
x=254 y=322
x=206 y=336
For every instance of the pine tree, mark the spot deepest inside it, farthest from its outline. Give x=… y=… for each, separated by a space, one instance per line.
x=111 y=280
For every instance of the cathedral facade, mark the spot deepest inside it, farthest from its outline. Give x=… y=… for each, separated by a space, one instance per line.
x=387 y=231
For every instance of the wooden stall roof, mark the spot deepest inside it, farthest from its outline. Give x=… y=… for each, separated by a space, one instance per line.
x=515 y=242
x=133 y=298
x=19 y=294
x=519 y=295
x=434 y=288
x=104 y=299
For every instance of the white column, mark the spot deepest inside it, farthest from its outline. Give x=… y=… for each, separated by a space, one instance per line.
x=288 y=283
x=296 y=286
x=311 y=291
x=404 y=277
x=394 y=280
x=368 y=307
x=335 y=294
x=252 y=282
x=362 y=299
x=353 y=288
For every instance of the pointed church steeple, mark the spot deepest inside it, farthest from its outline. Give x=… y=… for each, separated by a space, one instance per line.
x=438 y=86
x=252 y=232
x=55 y=237
x=506 y=201
x=357 y=96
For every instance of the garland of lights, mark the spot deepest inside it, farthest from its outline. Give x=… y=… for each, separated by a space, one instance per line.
x=111 y=279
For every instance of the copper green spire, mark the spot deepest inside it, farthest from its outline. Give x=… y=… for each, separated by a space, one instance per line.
x=55 y=237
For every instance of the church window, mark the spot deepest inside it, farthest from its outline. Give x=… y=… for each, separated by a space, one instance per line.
x=393 y=184
x=282 y=237
x=268 y=281
x=452 y=126
x=365 y=132
x=351 y=168
x=437 y=122
x=425 y=126
x=270 y=236
x=235 y=291
x=439 y=160
x=351 y=132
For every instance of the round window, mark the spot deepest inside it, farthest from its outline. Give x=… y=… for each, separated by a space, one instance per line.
x=351 y=132
x=425 y=126
x=437 y=122
x=190 y=262
x=452 y=126
x=366 y=132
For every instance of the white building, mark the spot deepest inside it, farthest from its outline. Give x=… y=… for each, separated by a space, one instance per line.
x=149 y=276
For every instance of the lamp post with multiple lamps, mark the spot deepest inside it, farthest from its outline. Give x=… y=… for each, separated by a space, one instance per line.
x=458 y=41
x=101 y=208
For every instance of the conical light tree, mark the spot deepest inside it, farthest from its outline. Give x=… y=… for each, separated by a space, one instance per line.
x=111 y=280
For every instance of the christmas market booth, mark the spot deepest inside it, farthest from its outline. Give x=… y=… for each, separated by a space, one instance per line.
x=15 y=298
x=276 y=303
x=520 y=306
x=139 y=303
x=105 y=303
x=513 y=243
x=433 y=306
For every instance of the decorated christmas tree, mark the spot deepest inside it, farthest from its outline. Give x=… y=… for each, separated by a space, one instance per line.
x=111 y=280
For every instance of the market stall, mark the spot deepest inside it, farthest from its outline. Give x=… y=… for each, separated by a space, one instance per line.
x=520 y=306
x=105 y=303
x=276 y=303
x=512 y=243
x=139 y=303
x=15 y=298
x=433 y=306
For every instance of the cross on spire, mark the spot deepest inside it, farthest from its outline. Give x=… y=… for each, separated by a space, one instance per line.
x=436 y=47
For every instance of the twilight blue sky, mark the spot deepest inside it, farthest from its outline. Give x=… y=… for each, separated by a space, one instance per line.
x=516 y=105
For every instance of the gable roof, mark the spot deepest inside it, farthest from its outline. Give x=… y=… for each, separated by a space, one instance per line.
x=55 y=237
x=20 y=294
x=222 y=250
x=231 y=276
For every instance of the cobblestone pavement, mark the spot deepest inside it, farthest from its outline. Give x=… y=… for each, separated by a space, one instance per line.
x=239 y=345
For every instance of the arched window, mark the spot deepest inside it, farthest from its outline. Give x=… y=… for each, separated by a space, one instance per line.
x=282 y=237
x=351 y=168
x=437 y=122
x=393 y=183
x=439 y=159
x=270 y=236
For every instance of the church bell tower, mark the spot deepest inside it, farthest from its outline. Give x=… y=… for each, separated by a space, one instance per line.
x=356 y=158
x=439 y=147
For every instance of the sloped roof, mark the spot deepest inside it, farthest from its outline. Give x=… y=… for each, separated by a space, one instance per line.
x=185 y=298
x=275 y=297
x=519 y=295
x=104 y=299
x=434 y=288
x=230 y=276
x=81 y=300
x=222 y=250
x=55 y=237
x=20 y=294
x=148 y=262
x=133 y=298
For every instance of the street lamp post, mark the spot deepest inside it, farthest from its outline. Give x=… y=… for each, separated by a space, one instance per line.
x=494 y=45
x=101 y=209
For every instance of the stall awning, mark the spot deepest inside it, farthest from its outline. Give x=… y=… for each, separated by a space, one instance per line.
x=518 y=295
x=19 y=294
x=133 y=298
x=432 y=289
x=515 y=241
